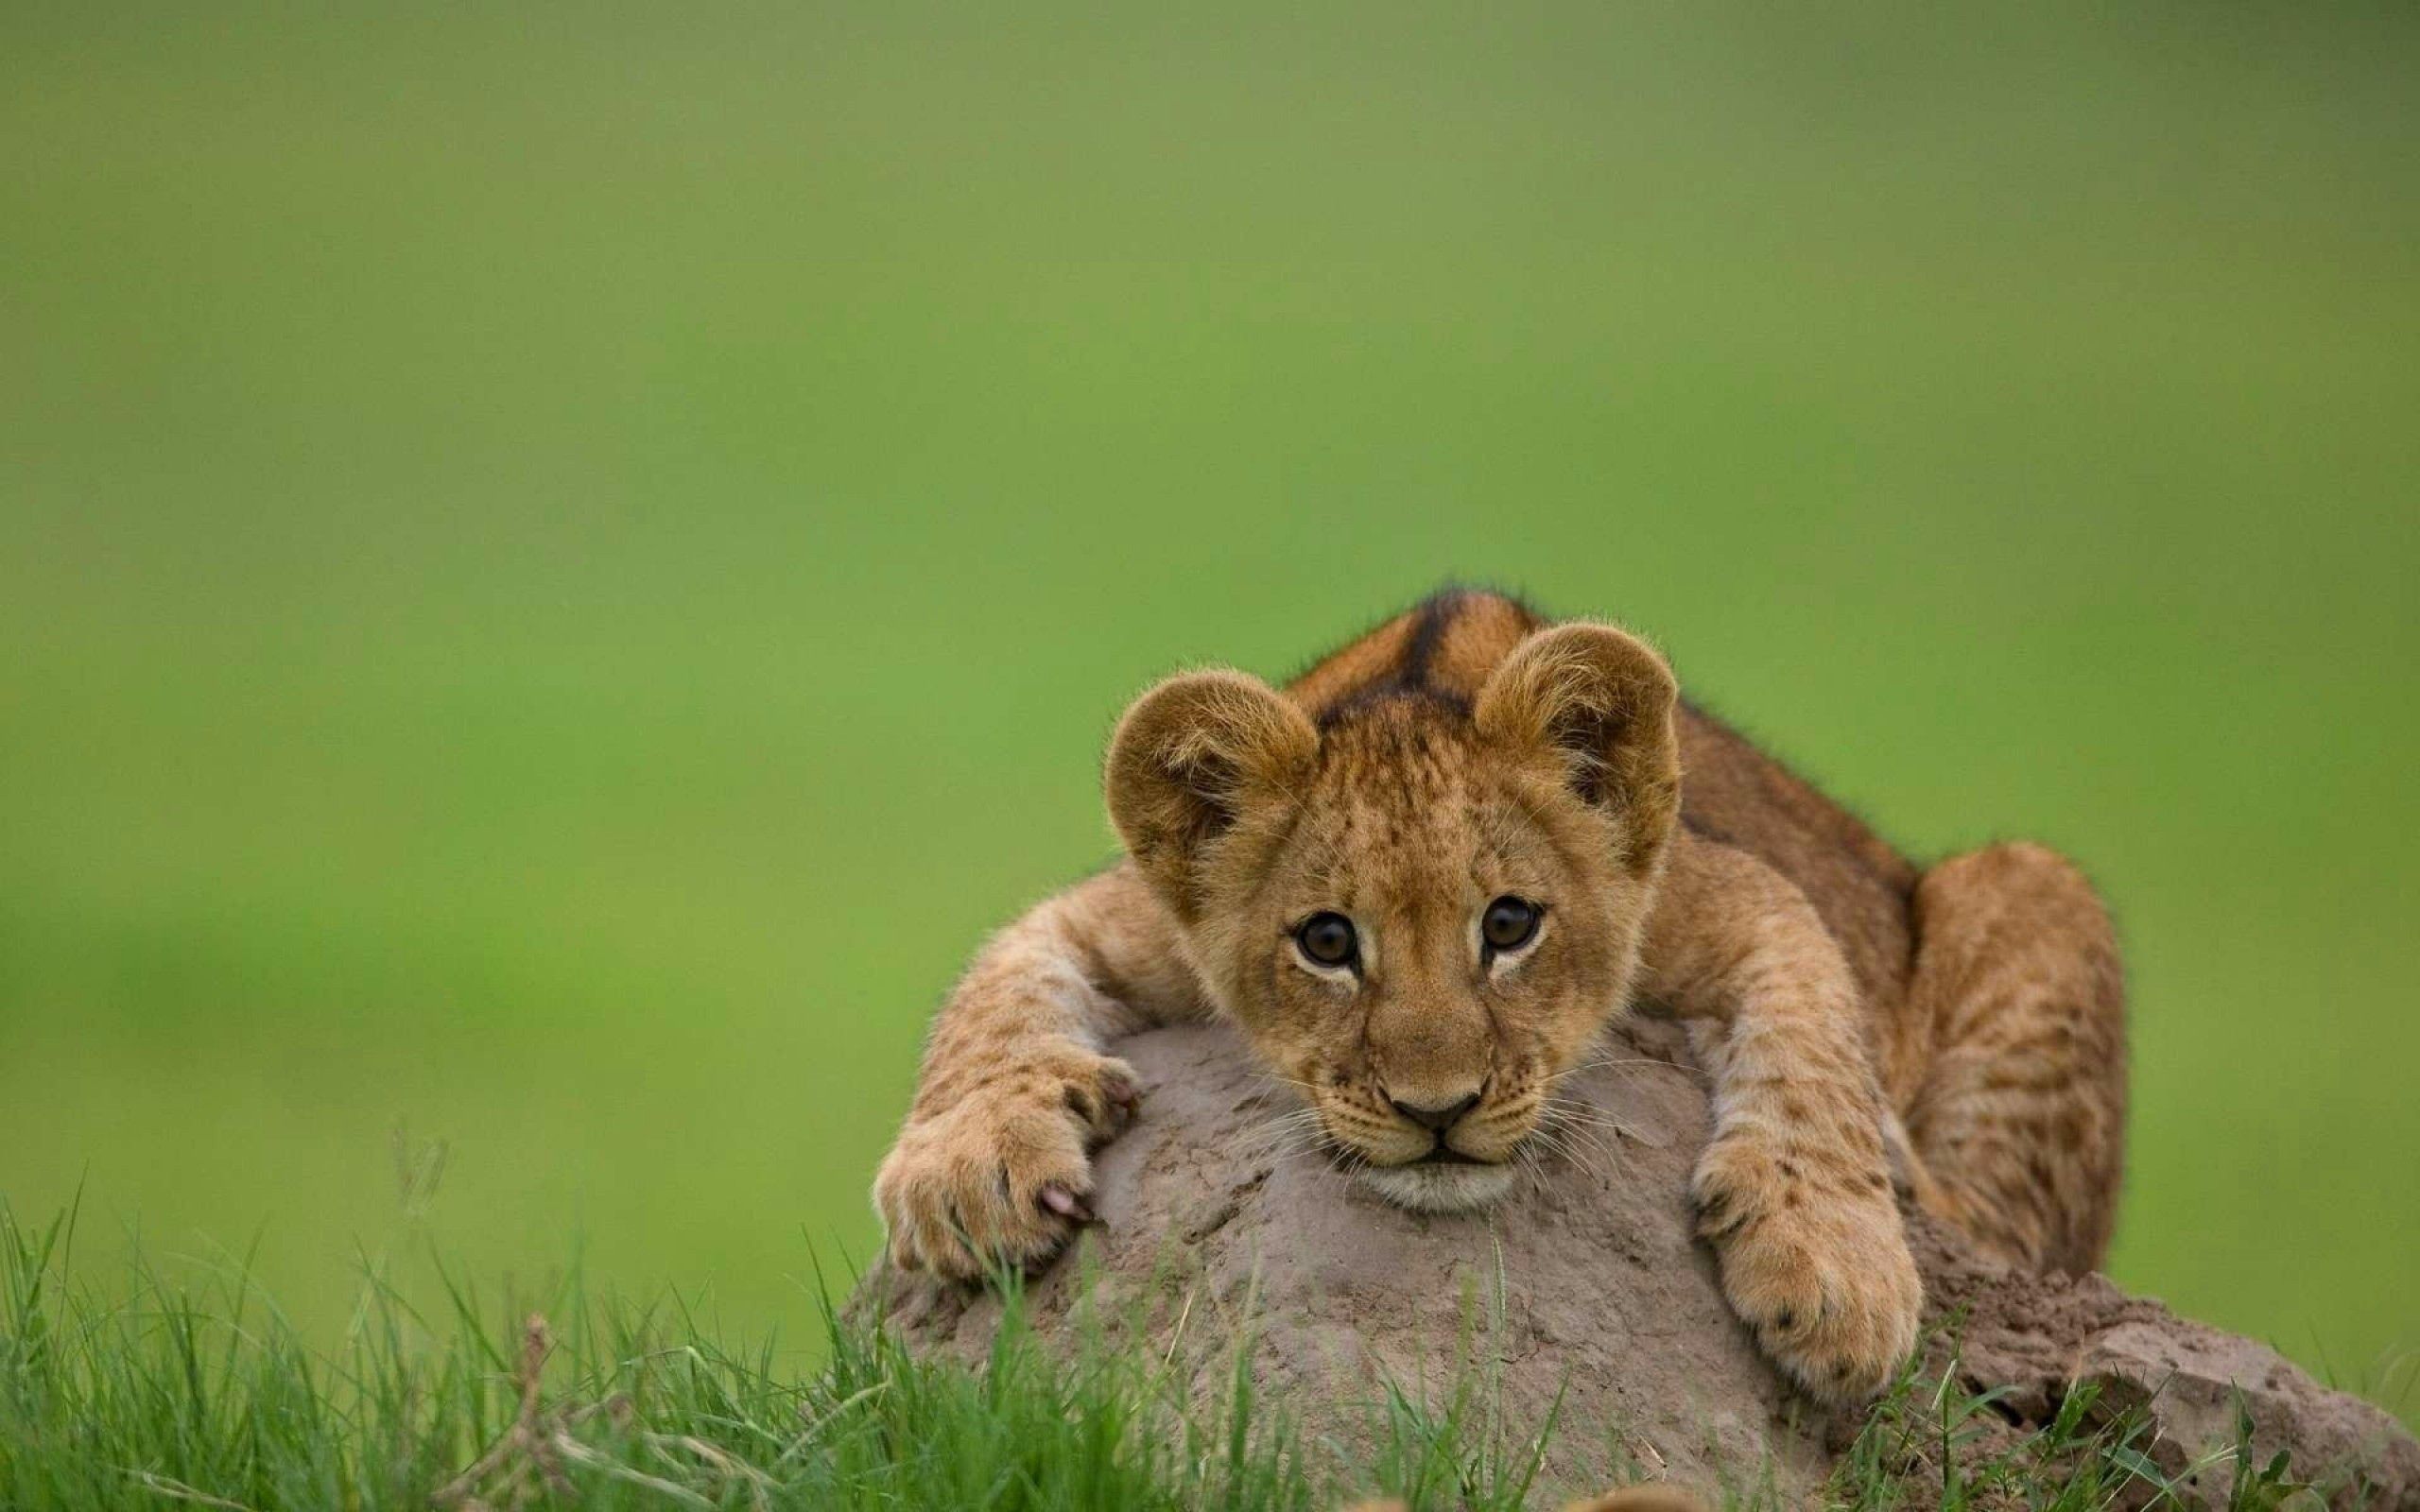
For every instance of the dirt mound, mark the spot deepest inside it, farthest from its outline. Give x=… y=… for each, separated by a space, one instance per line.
x=1588 y=1288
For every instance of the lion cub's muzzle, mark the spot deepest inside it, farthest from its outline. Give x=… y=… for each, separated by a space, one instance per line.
x=1437 y=1157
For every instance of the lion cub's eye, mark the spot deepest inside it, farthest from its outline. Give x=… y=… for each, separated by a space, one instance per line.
x=1508 y=923
x=1327 y=938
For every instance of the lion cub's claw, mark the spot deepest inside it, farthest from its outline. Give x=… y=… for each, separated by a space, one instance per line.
x=1003 y=1176
x=1822 y=1276
x=1074 y=1205
x=1105 y=1100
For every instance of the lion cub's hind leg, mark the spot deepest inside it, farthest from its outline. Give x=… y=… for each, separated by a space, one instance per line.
x=2018 y=1112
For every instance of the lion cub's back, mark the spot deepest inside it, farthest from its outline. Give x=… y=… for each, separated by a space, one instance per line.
x=1734 y=793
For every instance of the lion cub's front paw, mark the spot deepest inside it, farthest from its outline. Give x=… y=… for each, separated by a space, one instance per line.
x=1819 y=1269
x=1004 y=1176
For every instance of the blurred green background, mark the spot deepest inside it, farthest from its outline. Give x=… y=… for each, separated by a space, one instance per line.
x=559 y=565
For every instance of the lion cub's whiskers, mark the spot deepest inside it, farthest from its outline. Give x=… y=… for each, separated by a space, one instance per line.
x=1291 y=1133
x=1631 y=1060
x=1548 y=1142
x=1563 y=1144
x=1572 y=1112
x=1578 y=1122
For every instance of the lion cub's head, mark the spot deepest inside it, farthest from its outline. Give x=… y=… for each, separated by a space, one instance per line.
x=1420 y=906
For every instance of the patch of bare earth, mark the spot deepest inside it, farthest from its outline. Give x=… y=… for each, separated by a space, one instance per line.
x=1588 y=1297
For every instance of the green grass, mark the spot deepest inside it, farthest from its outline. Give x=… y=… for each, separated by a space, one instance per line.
x=179 y=1384
x=561 y=565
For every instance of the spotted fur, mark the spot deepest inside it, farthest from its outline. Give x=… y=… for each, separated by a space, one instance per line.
x=1961 y=1028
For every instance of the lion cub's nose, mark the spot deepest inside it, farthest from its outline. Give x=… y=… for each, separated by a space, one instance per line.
x=1438 y=1116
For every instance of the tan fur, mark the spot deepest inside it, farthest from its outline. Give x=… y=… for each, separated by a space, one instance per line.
x=1965 y=1023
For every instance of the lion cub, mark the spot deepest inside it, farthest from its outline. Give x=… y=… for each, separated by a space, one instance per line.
x=1424 y=877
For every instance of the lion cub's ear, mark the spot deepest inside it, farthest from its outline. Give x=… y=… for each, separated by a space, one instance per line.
x=1190 y=759
x=1602 y=701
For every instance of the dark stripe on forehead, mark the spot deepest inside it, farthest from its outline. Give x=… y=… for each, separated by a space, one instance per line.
x=1430 y=623
x=1454 y=706
x=1427 y=633
x=1437 y=652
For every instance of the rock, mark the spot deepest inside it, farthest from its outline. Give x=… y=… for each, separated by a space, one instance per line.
x=1586 y=1295
x=2197 y=1379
